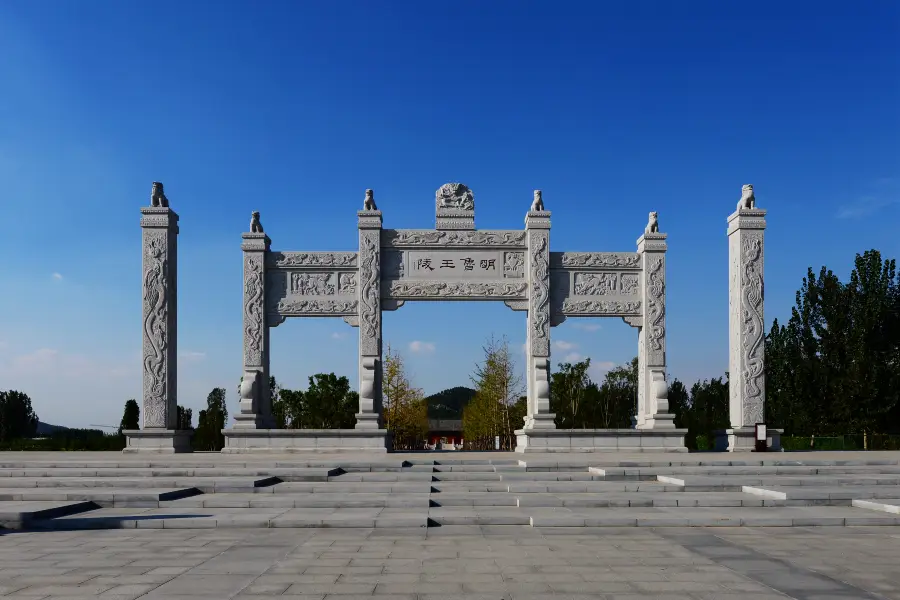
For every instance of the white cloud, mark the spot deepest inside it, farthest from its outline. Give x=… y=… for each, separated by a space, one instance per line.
x=572 y=357
x=338 y=335
x=57 y=276
x=419 y=347
x=863 y=207
x=587 y=326
x=564 y=345
x=597 y=371
x=192 y=356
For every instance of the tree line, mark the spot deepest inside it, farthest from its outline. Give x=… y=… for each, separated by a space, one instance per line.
x=832 y=369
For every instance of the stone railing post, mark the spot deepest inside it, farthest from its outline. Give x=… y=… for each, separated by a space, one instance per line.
x=369 y=291
x=537 y=361
x=159 y=292
x=653 y=390
x=255 y=403
x=746 y=334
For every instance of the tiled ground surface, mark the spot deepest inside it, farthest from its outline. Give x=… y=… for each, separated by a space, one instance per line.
x=460 y=563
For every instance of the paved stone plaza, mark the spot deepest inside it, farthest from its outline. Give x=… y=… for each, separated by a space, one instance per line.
x=460 y=563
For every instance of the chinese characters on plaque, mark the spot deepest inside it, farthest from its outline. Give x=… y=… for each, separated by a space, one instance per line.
x=468 y=264
x=440 y=265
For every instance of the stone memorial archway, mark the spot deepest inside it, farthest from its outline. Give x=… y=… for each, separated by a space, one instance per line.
x=454 y=261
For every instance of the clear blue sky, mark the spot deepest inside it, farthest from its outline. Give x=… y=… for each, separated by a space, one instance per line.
x=295 y=108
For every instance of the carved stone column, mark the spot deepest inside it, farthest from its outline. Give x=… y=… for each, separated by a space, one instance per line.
x=653 y=391
x=746 y=335
x=369 y=290
x=256 y=402
x=159 y=247
x=537 y=361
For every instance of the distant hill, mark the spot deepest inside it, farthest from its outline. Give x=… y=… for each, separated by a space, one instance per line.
x=47 y=428
x=449 y=404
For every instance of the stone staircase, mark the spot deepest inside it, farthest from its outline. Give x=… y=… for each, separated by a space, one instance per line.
x=421 y=491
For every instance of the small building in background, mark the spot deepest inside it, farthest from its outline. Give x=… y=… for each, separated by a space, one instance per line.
x=448 y=431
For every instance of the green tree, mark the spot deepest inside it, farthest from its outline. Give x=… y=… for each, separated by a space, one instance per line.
x=328 y=403
x=184 y=418
x=498 y=388
x=211 y=422
x=709 y=411
x=617 y=398
x=404 y=408
x=17 y=418
x=568 y=388
x=131 y=417
x=679 y=404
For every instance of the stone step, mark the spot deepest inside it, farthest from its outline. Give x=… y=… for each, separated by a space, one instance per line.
x=204 y=484
x=472 y=499
x=336 y=487
x=826 y=495
x=597 y=487
x=321 y=500
x=733 y=483
x=380 y=477
x=644 y=500
x=285 y=474
x=104 y=496
x=18 y=514
x=886 y=505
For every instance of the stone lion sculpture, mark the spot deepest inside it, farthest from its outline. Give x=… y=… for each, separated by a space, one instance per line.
x=157 y=197
x=748 y=200
x=652 y=223
x=369 y=204
x=455 y=195
x=537 y=205
x=255 y=225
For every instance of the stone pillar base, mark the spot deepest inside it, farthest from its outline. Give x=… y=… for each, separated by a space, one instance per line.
x=658 y=421
x=744 y=440
x=600 y=440
x=540 y=421
x=158 y=441
x=273 y=441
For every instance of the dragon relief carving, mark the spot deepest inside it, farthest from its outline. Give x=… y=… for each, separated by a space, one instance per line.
x=156 y=342
x=752 y=329
x=628 y=284
x=596 y=284
x=299 y=306
x=313 y=259
x=539 y=312
x=370 y=292
x=601 y=307
x=462 y=289
x=312 y=284
x=601 y=259
x=514 y=264
x=656 y=307
x=253 y=310
x=347 y=283
x=427 y=237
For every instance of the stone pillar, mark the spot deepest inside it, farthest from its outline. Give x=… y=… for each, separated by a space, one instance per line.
x=653 y=391
x=746 y=334
x=159 y=247
x=256 y=402
x=369 y=290
x=537 y=361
